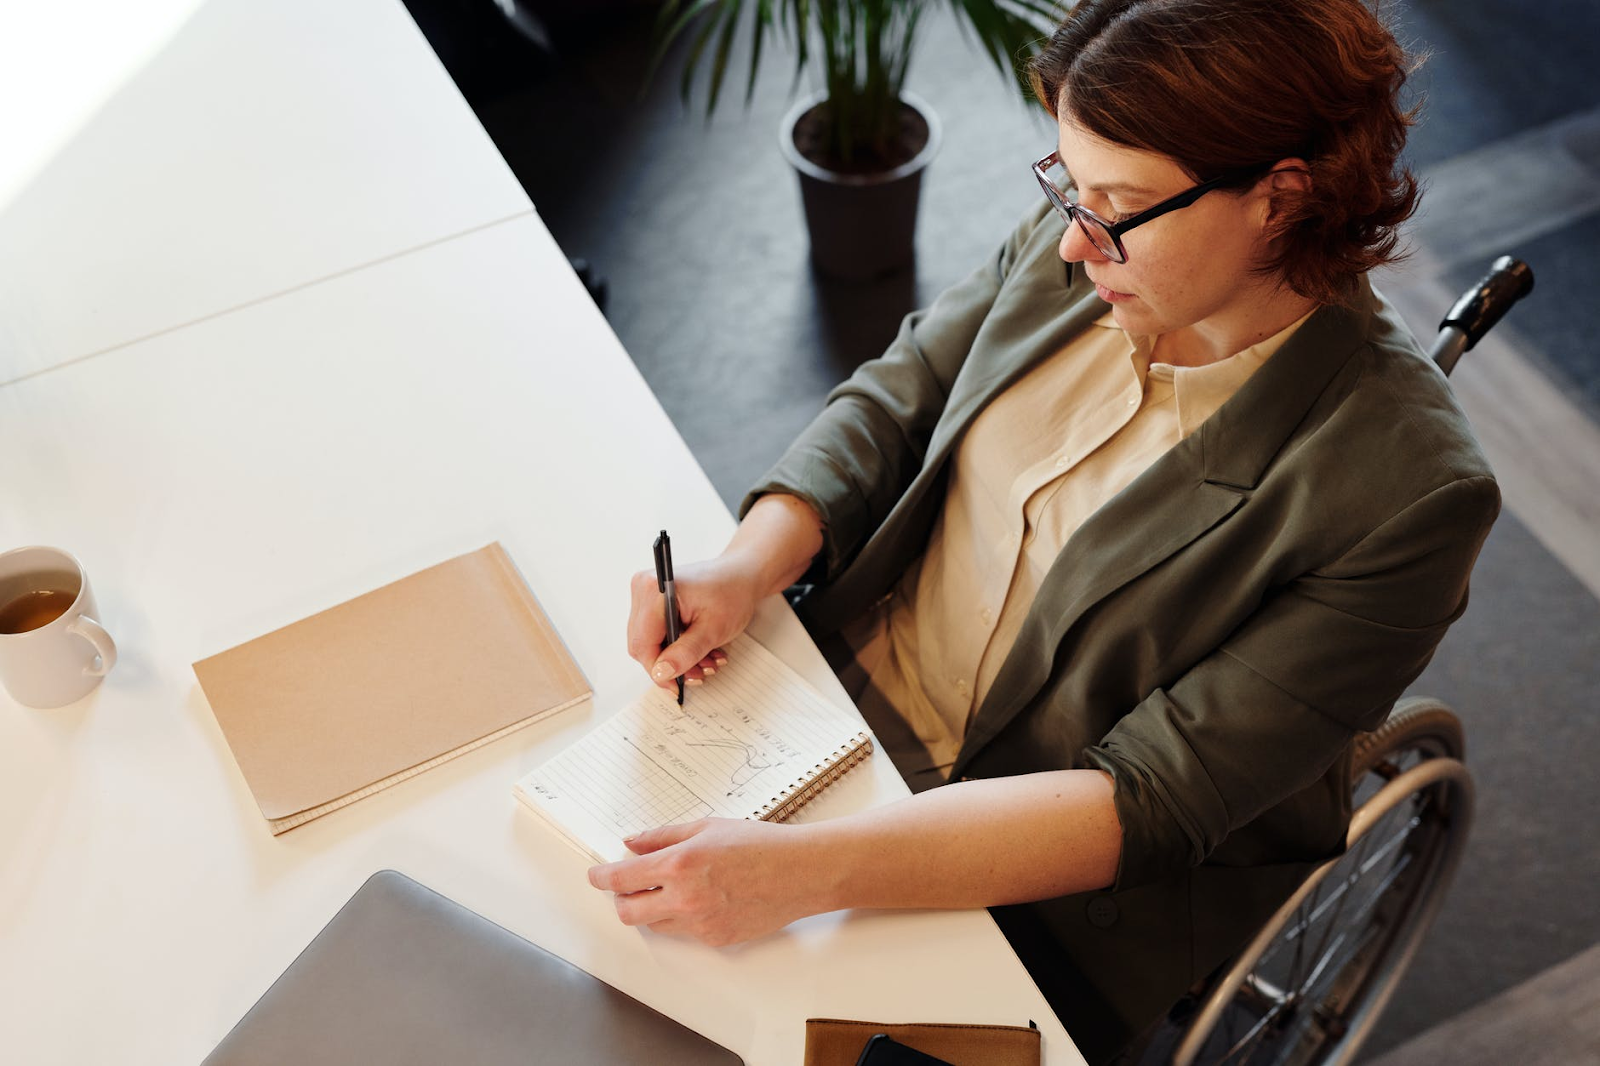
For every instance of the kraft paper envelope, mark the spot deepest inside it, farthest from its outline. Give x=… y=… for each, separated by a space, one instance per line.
x=352 y=700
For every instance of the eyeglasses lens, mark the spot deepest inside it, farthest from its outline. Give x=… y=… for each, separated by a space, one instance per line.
x=1070 y=213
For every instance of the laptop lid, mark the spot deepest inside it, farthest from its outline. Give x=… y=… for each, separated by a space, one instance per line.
x=403 y=975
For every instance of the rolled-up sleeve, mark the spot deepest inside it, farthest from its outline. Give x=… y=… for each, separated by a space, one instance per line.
x=858 y=456
x=1268 y=713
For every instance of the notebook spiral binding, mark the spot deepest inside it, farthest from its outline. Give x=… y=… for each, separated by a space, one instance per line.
x=785 y=804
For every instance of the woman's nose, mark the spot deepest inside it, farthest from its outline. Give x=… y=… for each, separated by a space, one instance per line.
x=1076 y=247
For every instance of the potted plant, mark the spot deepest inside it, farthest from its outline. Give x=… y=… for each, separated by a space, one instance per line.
x=859 y=145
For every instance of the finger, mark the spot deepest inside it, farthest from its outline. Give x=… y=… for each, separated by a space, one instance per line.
x=681 y=654
x=643 y=908
x=647 y=623
x=629 y=875
x=692 y=930
x=664 y=837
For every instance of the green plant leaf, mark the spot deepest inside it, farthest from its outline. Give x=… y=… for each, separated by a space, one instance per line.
x=763 y=20
x=800 y=26
x=719 y=66
x=861 y=48
x=707 y=30
x=674 y=16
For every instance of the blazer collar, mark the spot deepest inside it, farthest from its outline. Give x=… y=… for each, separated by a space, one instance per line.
x=1189 y=490
x=1242 y=436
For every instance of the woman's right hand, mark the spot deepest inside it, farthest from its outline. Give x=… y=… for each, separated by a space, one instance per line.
x=769 y=551
x=716 y=600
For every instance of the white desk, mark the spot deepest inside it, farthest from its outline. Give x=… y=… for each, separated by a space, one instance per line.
x=239 y=469
x=249 y=147
x=237 y=474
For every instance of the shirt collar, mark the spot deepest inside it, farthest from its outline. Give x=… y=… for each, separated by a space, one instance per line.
x=1200 y=390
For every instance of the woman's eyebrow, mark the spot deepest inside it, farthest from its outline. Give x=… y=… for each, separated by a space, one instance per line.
x=1119 y=186
x=1125 y=187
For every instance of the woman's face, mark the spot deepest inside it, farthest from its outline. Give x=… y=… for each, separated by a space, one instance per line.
x=1189 y=268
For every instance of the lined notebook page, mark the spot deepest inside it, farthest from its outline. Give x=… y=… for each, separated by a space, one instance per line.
x=755 y=741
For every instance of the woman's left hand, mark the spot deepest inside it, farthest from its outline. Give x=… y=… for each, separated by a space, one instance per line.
x=719 y=880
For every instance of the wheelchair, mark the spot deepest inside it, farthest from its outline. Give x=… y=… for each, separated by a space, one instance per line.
x=1309 y=987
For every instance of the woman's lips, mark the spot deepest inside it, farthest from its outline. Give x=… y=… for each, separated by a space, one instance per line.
x=1111 y=296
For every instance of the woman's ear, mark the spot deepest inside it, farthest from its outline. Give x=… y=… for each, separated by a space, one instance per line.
x=1286 y=186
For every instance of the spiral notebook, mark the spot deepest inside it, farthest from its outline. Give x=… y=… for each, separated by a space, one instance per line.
x=755 y=741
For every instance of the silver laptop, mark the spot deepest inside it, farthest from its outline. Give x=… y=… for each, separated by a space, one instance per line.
x=403 y=975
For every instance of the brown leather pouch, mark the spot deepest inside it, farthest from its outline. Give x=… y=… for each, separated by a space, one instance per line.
x=837 y=1042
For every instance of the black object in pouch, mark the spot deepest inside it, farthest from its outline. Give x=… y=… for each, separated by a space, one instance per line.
x=885 y=1050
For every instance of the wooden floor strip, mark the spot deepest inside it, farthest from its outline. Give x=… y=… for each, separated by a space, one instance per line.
x=1544 y=449
x=1552 y=1019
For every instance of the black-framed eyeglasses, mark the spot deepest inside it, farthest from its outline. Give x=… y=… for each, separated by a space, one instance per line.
x=1105 y=235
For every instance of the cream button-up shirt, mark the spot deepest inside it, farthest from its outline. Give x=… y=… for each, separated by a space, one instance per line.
x=1033 y=466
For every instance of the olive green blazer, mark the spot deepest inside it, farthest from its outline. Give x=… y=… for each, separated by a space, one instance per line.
x=1213 y=637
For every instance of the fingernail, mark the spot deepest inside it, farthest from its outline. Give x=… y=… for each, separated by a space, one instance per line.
x=693 y=681
x=662 y=671
x=708 y=669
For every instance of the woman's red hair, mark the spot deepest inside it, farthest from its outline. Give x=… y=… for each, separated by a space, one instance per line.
x=1225 y=86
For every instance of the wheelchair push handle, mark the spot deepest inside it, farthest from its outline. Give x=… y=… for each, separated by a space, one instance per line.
x=1508 y=281
x=1480 y=307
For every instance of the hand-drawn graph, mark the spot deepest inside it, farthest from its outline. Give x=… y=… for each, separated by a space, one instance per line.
x=755 y=743
x=736 y=757
x=752 y=760
x=657 y=798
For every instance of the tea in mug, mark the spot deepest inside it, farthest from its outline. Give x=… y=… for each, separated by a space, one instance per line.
x=33 y=610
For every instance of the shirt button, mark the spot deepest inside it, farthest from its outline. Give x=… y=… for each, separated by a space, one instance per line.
x=1132 y=400
x=961 y=687
x=1061 y=463
x=1102 y=912
x=986 y=616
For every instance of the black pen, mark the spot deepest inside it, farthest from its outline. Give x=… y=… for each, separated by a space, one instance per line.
x=670 y=591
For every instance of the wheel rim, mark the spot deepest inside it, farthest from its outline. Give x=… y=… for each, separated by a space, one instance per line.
x=1309 y=987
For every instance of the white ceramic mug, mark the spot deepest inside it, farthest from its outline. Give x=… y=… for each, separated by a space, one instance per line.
x=53 y=649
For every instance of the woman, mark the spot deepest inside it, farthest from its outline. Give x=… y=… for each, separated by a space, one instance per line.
x=1126 y=536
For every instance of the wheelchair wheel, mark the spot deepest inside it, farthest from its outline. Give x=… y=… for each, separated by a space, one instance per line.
x=1309 y=987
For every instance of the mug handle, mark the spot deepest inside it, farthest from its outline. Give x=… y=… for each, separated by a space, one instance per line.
x=96 y=634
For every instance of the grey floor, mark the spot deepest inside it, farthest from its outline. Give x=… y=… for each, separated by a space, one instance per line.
x=696 y=229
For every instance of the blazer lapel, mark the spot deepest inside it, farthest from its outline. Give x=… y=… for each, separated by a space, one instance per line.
x=1179 y=498
x=1062 y=307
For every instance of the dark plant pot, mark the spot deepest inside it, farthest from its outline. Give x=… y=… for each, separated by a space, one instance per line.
x=863 y=226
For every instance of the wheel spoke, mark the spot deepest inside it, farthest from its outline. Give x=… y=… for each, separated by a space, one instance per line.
x=1298 y=1006
x=1304 y=920
x=1296 y=1039
x=1309 y=994
x=1251 y=1039
x=1340 y=894
x=1345 y=933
